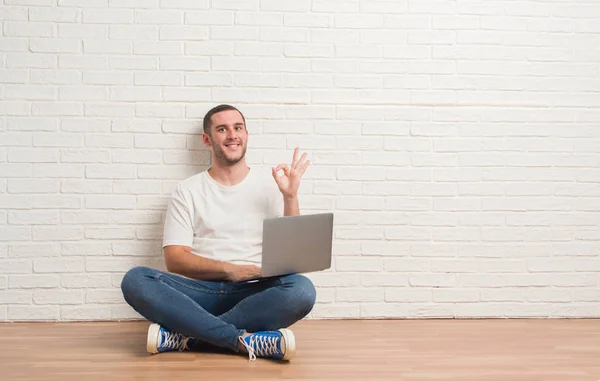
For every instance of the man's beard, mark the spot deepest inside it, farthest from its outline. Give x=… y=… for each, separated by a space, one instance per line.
x=222 y=157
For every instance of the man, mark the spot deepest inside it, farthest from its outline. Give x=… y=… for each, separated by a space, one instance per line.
x=213 y=241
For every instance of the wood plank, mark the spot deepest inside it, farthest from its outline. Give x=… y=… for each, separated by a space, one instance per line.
x=411 y=350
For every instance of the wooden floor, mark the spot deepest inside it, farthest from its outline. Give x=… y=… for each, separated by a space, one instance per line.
x=424 y=350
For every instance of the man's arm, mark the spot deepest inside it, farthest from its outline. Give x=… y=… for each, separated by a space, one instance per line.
x=180 y=260
x=291 y=206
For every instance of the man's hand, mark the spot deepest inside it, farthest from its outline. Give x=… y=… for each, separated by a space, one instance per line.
x=236 y=273
x=289 y=181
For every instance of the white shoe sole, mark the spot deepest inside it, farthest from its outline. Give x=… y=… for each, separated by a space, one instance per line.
x=153 y=338
x=290 y=343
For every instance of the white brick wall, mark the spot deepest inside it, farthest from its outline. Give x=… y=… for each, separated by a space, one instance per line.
x=457 y=142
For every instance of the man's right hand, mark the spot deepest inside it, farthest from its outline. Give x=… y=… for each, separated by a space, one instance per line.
x=237 y=273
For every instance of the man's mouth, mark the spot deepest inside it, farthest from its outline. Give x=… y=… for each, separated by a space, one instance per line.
x=232 y=146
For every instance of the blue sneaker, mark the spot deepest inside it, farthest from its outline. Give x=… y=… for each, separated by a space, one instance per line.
x=279 y=344
x=162 y=340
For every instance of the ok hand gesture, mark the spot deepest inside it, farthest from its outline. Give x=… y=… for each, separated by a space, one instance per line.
x=289 y=181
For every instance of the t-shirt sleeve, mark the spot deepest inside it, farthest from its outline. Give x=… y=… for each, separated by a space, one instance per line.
x=178 y=228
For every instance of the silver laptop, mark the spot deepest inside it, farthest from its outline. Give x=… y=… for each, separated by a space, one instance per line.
x=296 y=244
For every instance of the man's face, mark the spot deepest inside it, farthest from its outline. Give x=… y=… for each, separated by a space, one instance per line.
x=228 y=137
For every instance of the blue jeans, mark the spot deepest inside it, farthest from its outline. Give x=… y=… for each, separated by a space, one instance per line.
x=217 y=313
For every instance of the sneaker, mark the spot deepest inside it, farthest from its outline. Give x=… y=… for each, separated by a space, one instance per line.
x=162 y=340
x=279 y=344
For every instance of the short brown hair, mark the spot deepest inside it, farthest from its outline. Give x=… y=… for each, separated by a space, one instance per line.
x=207 y=118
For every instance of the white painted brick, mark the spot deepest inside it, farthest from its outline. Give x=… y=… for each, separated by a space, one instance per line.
x=32 y=186
x=337 y=310
x=407 y=204
x=80 y=3
x=138 y=156
x=408 y=233
x=384 y=279
x=13 y=76
x=44 y=233
x=33 y=60
x=109 y=202
x=10 y=13
x=85 y=217
x=58 y=170
x=172 y=172
x=30 y=250
x=158 y=110
x=152 y=202
x=33 y=313
x=145 y=249
x=108 y=296
x=85 y=156
x=357 y=173
x=56 y=109
x=109 y=233
x=358 y=295
x=9 y=108
x=60 y=297
x=15 y=266
x=57 y=140
x=85 y=125
x=138 y=63
x=85 y=312
x=56 y=265
x=410 y=295
x=393 y=37
x=91 y=248
x=38 y=155
x=136 y=125
x=33 y=218
x=16 y=170
x=212 y=17
x=33 y=281
x=56 y=201
x=107 y=16
x=431 y=38
x=106 y=46
x=358 y=264
x=16 y=297
x=54 y=46
x=13 y=45
x=155 y=48
x=133 y=32
x=85 y=281
x=26 y=29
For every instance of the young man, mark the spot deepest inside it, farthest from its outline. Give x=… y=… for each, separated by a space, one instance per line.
x=213 y=240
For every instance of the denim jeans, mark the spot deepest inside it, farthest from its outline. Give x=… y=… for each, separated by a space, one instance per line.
x=217 y=313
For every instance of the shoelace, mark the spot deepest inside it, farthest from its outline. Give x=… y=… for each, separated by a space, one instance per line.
x=260 y=345
x=175 y=341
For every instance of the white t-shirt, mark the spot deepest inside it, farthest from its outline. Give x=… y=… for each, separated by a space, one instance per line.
x=222 y=222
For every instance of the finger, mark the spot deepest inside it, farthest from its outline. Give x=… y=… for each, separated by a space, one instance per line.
x=300 y=162
x=304 y=167
x=284 y=167
x=295 y=158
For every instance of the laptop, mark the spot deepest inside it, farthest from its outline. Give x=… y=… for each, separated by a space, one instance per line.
x=296 y=244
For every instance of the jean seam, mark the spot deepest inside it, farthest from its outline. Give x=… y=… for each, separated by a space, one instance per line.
x=175 y=280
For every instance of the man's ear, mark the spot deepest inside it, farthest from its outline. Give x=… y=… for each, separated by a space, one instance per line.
x=206 y=140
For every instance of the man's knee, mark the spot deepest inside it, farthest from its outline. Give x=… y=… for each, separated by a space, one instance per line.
x=133 y=280
x=304 y=292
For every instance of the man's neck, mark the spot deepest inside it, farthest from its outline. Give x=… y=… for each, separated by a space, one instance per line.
x=229 y=174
